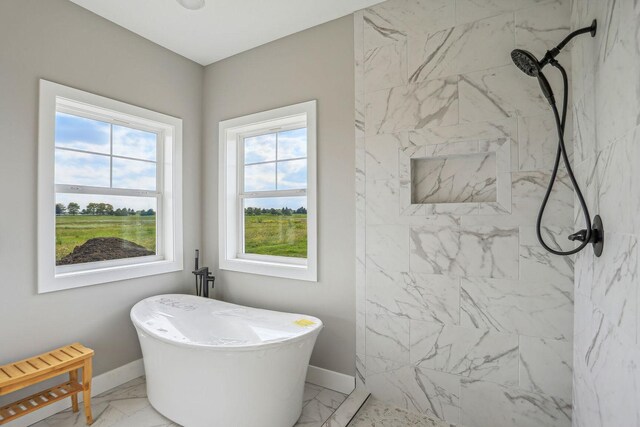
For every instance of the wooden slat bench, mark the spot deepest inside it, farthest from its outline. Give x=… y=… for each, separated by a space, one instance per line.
x=15 y=376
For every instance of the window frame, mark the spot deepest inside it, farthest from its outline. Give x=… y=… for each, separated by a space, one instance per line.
x=231 y=192
x=168 y=194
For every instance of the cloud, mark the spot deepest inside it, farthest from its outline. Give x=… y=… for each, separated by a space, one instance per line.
x=260 y=177
x=135 y=175
x=292 y=174
x=74 y=168
x=260 y=148
x=134 y=143
x=82 y=134
x=292 y=144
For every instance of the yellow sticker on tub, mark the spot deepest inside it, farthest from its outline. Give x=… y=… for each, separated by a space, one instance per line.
x=304 y=322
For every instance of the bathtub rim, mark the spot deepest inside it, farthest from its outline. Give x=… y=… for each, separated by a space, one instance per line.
x=140 y=329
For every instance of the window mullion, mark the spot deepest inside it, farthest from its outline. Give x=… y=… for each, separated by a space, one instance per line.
x=104 y=191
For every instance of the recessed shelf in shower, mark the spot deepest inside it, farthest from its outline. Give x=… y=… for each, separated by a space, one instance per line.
x=461 y=177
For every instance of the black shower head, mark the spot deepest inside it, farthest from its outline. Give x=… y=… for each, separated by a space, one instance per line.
x=530 y=65
x=526 y=61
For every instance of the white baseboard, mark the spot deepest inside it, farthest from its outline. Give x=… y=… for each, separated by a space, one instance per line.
x=330 y=379
x=100 y=384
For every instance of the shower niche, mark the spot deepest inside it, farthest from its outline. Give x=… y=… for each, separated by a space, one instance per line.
x=465 y=178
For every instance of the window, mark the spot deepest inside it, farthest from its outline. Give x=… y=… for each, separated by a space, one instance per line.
x=109 y=195
x=268 y=193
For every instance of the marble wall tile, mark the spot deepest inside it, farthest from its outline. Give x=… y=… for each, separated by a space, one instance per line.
x=360 y=304
x=415 y=106
x=499 y=93
x=586 y=174
x=415 y=296
x=492 y=130
x=536 y=262
x=429 y=392
x=382 y=202
x=382 y=155
x=584 y=126
x=488 y=404
x=527 y=194
x=542 y=27
x=583 y=272
x=467 y=251
x=361 y=370
x=616 y=175
x=635 y=183
x=461 y=49
x=472 y=10
x=387 y=337
x=616 y=85
x=535 y=308
x=615 y=283
x=434 y=249
x=488 y=252
x=468 y=352
x=450 y=291
x=538 y=141
x=546 y=366
x=607 y=378
x=388 y=247
x=358 y=48
x=394 y=20
x=385 y=66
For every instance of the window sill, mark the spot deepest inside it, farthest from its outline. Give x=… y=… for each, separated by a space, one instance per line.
x=58 y=281
x=268 y=268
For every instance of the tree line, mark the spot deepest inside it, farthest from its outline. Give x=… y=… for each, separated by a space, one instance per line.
x=100 y=209
x=272 y=211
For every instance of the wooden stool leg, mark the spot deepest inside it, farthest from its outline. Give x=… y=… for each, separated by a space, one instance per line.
x=73 y=377
x=86 y=389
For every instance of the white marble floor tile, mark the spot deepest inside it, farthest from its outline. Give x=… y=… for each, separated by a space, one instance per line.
x=374 y=413
x=128 y=406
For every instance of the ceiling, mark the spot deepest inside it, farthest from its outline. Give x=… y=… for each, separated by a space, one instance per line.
x=223 y=27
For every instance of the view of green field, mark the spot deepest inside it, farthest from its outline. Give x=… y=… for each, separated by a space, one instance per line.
x=279 y=235
x=266 y=234
x=74 y=230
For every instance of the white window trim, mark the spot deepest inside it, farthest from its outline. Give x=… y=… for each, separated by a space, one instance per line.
x=169 y=229
x=229 y=211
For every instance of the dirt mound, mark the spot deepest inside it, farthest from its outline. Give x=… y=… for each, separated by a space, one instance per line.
x=103 y=249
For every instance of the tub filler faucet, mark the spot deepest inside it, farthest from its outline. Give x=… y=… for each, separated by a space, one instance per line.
x=203 y=278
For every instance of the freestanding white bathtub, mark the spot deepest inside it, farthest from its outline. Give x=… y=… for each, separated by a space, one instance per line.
x=213 y=364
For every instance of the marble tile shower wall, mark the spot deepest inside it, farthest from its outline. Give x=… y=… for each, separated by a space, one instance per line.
x=461 y=315
x=606 y=86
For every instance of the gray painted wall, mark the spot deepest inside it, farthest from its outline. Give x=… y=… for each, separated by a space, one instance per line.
x=61 y=42
x=313 y=64
x=606 y=103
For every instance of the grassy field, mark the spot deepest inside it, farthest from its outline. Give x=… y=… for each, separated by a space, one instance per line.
x=264 y=234
x=72 y=231
x=276 y=235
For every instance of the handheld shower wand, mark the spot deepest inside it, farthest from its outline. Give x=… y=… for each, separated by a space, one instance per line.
x=529 y=64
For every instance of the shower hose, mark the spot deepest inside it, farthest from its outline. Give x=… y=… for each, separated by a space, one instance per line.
x=562 y=152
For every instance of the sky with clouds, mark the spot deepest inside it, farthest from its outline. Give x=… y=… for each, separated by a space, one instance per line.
x=93 y=167
x=275 y=161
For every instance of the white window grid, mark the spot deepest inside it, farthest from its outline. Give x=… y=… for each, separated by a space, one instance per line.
x=115 y=191
x=242 y=194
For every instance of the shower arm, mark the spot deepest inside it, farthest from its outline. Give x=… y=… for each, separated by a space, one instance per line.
x=552 y=53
